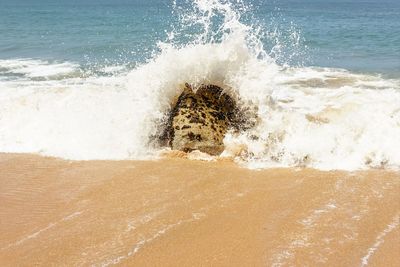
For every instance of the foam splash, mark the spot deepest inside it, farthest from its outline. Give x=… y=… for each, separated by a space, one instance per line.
x=307 y=116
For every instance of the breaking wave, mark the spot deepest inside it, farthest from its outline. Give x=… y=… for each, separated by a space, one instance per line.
x=306 y=116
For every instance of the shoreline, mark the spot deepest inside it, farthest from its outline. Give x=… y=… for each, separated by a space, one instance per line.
x=175 y=211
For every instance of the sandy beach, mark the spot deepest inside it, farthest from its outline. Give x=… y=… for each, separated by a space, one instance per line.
x=200 y=133
x=177 y=212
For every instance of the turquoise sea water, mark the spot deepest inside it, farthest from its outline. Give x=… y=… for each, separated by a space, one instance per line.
x=93 y=79
x=354 y=34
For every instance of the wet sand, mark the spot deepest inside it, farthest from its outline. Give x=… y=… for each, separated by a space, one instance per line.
x=177 y=212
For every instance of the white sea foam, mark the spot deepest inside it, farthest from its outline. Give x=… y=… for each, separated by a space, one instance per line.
x=307 y=116
x=32 y=68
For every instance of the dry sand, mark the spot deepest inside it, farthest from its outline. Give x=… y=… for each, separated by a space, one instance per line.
x=177 y=212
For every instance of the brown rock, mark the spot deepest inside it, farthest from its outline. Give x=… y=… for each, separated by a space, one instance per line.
x=199 y=120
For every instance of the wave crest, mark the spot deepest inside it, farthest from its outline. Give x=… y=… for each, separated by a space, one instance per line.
x=306 y=116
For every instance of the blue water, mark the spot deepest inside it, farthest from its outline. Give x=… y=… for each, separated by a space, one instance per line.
x=362 y=36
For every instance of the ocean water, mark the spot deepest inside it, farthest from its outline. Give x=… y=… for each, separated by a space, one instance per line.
x=93 y=79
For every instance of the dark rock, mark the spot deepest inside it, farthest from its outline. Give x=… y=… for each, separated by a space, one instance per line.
x=200 y=119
